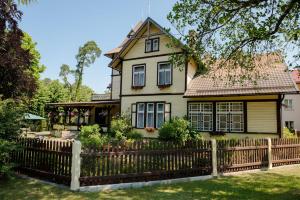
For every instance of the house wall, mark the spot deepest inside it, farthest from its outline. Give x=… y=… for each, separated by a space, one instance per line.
x=294 y=113
x=115 y=84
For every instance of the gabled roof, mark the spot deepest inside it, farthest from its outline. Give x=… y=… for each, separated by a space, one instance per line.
x=275 y=79
x=132 y=37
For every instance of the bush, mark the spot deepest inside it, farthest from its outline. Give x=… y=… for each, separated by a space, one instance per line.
x=287 y=133
x=135 y=135
x=120 y=126
x=11 y=116
x=90 y=136
x=177 y=129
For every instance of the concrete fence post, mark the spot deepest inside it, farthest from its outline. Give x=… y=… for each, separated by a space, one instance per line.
x=75 y=170
x=214 y=157
x=270 y=153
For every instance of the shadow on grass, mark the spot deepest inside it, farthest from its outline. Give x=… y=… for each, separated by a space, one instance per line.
x=254 y=186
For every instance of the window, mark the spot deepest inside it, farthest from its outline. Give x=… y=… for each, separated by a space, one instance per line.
x=289 y=125
x=151 y=45
x=160 y=111
x=201 y=116
x=164 y=73
x=288 y=103
x=138 y=75
x=229 y=117
x=140 y=115
x=150 y=115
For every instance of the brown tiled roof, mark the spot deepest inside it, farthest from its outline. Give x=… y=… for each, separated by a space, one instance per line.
x=274 y=78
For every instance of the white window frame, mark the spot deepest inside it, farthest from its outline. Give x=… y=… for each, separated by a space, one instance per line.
x=288 y=104
x=229 y=113
x=197 y=110
x=139 y=73
x=138 y=111
x=164 y=71
x=161 y=112
x=150 y=112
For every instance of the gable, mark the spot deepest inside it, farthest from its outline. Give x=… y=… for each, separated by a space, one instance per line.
x=138 y=47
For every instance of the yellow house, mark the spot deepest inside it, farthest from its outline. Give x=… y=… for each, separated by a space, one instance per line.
x=146 y=85
x=153 y=91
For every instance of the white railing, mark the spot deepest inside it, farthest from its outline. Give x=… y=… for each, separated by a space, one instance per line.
x=99 y=97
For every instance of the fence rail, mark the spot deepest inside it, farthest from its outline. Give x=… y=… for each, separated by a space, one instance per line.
x=149 y=159
x=45 y=159
x=144 y=161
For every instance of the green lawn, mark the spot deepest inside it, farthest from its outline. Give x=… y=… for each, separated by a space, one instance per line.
x=277 y=184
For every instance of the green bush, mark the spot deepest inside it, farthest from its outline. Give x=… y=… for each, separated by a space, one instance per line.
x=287 y=133
x=90 y=136
x=135 y=135
x=120 y=126
x=177 y=129
x=11 y=116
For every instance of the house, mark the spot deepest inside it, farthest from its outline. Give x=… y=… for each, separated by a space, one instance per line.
x=146 y=85
x=291 y=106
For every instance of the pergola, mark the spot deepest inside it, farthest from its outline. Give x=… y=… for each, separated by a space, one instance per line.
x=83 y=112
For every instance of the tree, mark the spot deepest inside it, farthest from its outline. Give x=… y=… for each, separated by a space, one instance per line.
x=86 y=56
x=29 y=45
x=237 y=30
x=16 y=79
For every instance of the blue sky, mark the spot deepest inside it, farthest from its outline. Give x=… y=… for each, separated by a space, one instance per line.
x=60 y=26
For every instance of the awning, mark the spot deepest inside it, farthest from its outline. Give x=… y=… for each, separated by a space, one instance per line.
x=29 y=116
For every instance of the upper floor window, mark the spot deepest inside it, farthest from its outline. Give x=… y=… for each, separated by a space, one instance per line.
x=288 y=103
x=164 y=74
x=151 y=45
x=138 y=75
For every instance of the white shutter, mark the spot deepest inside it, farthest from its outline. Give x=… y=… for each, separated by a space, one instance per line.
x=133 y=115
x=167 y=112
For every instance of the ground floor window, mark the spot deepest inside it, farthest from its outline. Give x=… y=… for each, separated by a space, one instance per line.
x=289 y=125
x=229 y=116
x=151 y=114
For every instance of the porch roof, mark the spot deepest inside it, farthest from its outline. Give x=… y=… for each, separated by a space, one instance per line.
x=275 y=79
x=84 y=104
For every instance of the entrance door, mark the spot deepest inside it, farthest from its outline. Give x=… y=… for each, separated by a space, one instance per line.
x=101 y=116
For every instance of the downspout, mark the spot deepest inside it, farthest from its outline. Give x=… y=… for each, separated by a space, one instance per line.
x=280 y=115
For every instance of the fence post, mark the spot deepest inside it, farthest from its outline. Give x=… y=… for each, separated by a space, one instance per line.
x=75 y=170
x=214 y=157
x=269 y=153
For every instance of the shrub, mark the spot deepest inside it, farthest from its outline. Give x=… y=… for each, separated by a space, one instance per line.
x=6 y=147
x=177 y=129
x=90 y=136
x=120 y=126
x=135 y=135
x=287 y=133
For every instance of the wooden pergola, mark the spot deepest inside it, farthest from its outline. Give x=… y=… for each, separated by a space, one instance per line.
x=63 y=113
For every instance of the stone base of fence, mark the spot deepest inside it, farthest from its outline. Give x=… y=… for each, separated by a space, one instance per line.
x=97 y=188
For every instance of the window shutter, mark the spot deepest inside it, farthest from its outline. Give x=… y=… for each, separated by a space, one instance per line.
x=167 y=112
x=133 y=115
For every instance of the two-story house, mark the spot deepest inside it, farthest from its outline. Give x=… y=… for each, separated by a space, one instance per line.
x=146 y=85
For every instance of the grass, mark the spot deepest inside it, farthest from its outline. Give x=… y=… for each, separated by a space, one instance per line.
x=277 y=184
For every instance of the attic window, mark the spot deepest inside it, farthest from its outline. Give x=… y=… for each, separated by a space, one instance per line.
x=151 y=45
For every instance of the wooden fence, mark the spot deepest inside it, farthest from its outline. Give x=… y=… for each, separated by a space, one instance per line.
x=149 y=159
x=45 y=159
x=144 y=161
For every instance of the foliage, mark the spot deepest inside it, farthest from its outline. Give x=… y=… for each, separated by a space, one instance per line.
x=87 y=54
x=16 y=77
x=236 y=30
x=120 y=126
x=90 y=136
x=11 y=115
x=135 y=135
x=177 y=129
x=29 y=45
x=287 y=133
x=6 y=147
